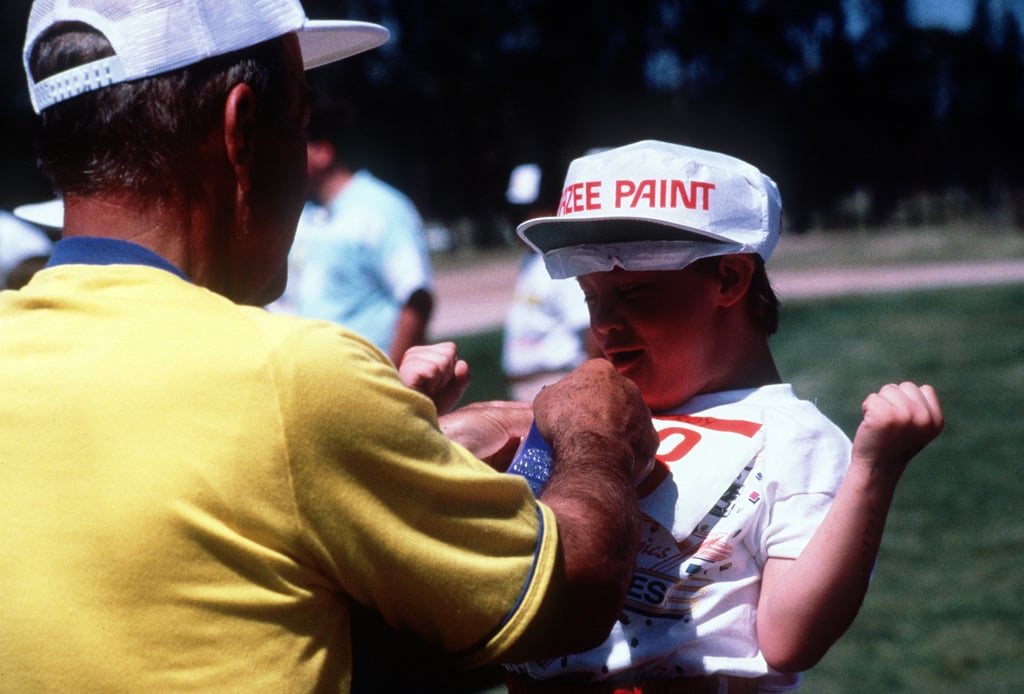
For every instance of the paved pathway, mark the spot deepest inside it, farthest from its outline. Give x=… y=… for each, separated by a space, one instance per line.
x=476 y=297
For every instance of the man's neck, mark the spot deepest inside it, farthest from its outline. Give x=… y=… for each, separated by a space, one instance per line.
x=178 y=233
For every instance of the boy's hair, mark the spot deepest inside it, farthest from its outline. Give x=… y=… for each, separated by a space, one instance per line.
x=143 y=136
x=762 y=302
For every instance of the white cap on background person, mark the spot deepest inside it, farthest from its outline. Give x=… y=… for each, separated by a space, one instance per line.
x=48 y=214
x=19 y=241
x=654 y=205
x=524 y=184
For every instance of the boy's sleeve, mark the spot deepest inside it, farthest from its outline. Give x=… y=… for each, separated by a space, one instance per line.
x=805 y=464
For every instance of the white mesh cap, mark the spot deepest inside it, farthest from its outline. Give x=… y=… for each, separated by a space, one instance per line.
x=655 y=205
x=150 y=37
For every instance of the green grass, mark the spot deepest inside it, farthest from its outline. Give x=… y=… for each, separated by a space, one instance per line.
x=946 y=609
x=896 y=246
x=945 y=612
x=482 y=351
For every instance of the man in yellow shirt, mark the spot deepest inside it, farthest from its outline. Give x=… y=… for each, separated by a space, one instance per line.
x=199 y=494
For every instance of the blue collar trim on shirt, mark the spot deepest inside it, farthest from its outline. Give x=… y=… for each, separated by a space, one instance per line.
x=93 y=250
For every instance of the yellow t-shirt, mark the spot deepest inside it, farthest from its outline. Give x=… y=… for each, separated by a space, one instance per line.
x=196 y=492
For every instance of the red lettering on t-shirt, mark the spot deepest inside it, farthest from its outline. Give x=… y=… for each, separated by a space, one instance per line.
x=690 y=438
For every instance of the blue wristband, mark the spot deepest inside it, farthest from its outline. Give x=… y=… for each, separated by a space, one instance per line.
x=533 y=460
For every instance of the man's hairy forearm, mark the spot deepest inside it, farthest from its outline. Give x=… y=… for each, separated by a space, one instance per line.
x=593 y=473
x=595 y=504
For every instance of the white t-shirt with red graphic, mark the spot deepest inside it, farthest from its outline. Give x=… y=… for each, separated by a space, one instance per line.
x=741 y=476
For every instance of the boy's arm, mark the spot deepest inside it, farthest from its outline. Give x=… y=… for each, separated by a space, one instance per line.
x=807 y=603
x=437 y=372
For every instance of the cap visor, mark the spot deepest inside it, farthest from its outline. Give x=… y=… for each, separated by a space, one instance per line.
x=549 y=233
x=45 y=214
x=327 y=41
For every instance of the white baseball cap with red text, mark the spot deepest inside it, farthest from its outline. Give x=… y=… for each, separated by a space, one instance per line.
x=654 y=205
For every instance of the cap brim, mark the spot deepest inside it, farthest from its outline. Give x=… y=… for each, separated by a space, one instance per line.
x=45 y=214
x=326 y=41
x=550 y=233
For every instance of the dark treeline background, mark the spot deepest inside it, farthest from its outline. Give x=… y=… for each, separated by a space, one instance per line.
x=862 y=117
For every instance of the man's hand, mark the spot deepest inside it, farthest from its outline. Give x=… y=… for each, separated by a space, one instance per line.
x=491 y=431
x=898 y=422
x=437 y=372
x=594 y=400
x=601 y=433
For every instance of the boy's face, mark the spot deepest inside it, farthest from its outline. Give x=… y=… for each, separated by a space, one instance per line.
x=656 y=327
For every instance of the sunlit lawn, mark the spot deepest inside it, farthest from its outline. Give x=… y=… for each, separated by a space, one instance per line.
x=946 y=609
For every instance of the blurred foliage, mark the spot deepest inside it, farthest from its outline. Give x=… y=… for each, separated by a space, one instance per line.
x=850 y=107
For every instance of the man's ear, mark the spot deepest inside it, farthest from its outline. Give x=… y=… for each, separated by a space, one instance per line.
x=734 y=275
x=240 y=131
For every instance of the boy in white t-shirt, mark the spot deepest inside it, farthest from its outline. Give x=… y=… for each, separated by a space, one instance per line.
x=762 y=523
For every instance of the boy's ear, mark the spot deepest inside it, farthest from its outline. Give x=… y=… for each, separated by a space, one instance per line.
x=735 y=273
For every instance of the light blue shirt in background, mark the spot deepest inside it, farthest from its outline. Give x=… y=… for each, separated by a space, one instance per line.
x=358 y=260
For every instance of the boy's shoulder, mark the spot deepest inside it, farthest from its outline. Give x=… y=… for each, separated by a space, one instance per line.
x=784 y=416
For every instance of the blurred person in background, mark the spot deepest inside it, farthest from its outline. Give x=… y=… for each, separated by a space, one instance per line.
x=360 y=256
x=547 y=327
x=24 y=249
